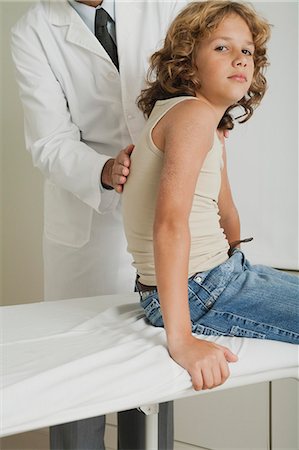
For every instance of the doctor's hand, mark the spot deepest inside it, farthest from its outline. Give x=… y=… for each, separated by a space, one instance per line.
x=206 y=362
x=116 y=171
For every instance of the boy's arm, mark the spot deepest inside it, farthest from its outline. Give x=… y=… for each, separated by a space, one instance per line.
x=186 y=143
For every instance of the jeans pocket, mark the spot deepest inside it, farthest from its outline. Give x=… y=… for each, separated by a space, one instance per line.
x=244 y=332
x=152 y=310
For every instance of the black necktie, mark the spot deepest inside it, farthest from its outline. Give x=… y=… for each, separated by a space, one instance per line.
x=102 y=34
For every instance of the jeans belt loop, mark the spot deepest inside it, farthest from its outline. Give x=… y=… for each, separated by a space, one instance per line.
x=235 y=244
x=144 y=288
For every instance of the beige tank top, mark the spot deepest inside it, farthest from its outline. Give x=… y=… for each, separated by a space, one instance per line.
x=208 y=243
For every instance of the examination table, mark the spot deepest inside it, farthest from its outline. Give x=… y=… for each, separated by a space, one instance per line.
x=72 y=359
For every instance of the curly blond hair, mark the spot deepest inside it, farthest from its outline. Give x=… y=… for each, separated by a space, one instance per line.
x=173 y=70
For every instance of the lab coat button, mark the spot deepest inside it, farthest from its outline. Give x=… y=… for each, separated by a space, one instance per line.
x=130 y=116
x=112 y=76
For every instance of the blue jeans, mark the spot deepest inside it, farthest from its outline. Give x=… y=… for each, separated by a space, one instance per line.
x=238 y=299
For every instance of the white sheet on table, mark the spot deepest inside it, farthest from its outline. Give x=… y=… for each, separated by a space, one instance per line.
x=69 y=360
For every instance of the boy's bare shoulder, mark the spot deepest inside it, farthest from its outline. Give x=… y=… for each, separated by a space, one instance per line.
x=192 y=110
x=190 y=123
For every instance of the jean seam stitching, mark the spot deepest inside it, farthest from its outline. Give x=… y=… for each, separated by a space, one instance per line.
x=270 y=327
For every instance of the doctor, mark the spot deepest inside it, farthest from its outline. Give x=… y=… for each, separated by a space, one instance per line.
x=80 y=112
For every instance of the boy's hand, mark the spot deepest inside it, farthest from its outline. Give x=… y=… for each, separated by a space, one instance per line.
x=206 y=362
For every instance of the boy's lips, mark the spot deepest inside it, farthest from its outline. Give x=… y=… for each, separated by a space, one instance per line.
x=238 y=77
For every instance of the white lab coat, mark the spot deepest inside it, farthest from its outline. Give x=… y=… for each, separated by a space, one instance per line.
x=79 y=112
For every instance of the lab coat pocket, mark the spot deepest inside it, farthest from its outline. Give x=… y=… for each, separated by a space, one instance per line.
x=67 y=220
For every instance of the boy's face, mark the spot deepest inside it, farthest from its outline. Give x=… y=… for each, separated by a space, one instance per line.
x=225 y=62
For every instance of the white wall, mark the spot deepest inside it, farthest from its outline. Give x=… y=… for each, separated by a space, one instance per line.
x=1 y=170
x=21 y=197
x=263 y=153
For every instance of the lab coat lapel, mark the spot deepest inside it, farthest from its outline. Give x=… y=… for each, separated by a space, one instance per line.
x=62 y=14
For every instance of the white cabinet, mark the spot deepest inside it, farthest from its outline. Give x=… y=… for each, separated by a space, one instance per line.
x=285 y=418
x=233 y=419
x=252 y=418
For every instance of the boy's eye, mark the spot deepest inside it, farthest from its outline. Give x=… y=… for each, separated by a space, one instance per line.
x=221 y=48
x=247 y=52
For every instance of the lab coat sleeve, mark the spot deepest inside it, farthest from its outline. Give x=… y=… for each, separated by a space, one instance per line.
x=50 y=134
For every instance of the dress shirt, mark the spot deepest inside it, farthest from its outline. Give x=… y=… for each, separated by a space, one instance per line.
x=87 y=14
